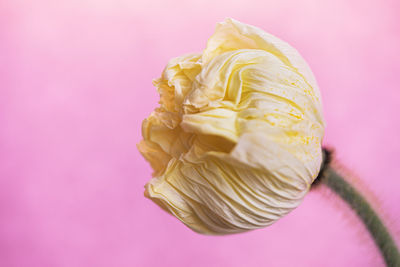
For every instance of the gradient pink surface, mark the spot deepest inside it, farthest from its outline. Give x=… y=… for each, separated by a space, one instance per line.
x=75 y=84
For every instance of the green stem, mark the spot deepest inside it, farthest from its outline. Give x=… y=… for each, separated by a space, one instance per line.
x=368 y=216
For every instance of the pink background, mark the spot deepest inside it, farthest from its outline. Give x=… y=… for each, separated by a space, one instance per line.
x=75 y=84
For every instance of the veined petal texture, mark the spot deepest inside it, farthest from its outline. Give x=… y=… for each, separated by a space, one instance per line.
x=236 y=141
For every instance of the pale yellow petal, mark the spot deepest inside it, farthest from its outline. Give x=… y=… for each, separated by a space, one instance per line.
x=236 y=141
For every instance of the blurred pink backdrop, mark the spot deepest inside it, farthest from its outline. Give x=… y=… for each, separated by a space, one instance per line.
x=75 y=84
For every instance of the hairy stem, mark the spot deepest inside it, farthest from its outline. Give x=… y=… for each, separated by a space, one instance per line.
x=368 y=216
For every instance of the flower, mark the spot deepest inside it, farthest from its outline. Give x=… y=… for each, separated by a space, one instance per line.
x=236 y=141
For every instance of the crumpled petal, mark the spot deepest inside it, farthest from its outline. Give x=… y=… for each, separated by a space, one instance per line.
x=236 y=141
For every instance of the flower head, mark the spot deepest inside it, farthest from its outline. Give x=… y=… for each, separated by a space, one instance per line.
x=236 y=141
